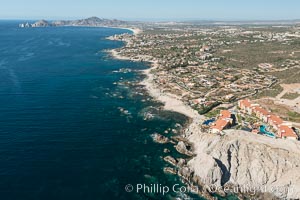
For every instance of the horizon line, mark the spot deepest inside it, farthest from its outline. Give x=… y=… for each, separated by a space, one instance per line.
x=153 y=19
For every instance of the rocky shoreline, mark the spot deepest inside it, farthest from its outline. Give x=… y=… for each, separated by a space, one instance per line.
x=181 y=144
x=229 y=163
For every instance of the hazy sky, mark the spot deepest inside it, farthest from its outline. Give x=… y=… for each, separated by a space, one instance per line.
x=151 y=9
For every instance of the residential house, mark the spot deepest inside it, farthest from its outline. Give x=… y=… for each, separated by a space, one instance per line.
x=220 y=125
x=225 y=114
x=224 y=121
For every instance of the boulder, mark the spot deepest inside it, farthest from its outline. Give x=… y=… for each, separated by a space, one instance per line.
x=181 y=147
x=160 y=138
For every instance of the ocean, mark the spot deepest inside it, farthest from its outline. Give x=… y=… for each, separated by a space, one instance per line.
x=72 y=124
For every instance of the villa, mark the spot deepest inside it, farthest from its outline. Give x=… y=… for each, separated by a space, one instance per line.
x=224 y=121
x=220 y=125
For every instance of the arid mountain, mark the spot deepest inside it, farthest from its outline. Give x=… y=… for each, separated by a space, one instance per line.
x=92 y=21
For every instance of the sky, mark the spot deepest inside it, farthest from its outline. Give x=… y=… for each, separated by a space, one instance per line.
x=154 y=10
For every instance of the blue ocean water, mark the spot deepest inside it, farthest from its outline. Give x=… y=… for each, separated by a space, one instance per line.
x=64 y=133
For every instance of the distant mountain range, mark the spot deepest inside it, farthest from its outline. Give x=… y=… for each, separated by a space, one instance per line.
x=92 y=21
x=101 y=22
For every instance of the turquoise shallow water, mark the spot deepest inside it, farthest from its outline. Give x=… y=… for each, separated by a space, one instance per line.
x=62 y=134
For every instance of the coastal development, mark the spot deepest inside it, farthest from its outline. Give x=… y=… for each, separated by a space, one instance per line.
x=218 y=76
x=192 y=64
x=150 y=100
x=252 y=117
x=239 y=86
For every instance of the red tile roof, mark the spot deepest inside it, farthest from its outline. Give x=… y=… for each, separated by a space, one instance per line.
x=276 y=120
x=261 y=110
x=286 y=131
x=225 y=114
x=220 y=124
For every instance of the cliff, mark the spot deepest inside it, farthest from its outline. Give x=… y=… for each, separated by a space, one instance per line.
x=252 y=165
x=247 y=161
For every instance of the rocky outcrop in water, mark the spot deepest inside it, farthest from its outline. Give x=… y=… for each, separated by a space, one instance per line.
x=170 y=170
x=170 y=160
x=160 y=138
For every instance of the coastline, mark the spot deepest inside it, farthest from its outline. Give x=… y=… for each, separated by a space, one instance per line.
x=135 y=31
x=171 y=102
x=203 y=168
x=221 y=158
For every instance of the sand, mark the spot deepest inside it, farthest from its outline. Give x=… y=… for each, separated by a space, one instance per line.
x=114 y=53
x=135 y=31
x=171 y=102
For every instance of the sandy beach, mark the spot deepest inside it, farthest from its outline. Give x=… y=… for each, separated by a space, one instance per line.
x=171 y=102
x=114 y=53
x=135 y=31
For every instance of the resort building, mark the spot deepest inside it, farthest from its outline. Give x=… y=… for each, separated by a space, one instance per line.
x=287 y=132
x=246 y=106
x=261 y=113
x=275 y=122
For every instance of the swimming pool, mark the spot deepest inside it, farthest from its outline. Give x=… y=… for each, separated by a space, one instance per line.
x=209 y=121
x=263 y=130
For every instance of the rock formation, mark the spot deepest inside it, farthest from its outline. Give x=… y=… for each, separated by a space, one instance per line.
x=160 y=138
x=41 y=23
x=249 y=161
x=182 y=148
